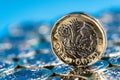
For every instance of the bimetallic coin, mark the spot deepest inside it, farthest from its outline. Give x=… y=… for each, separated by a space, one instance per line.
x=78 y=39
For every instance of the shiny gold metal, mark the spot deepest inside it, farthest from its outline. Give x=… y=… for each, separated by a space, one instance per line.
x=98 y=76
x=81 y=71
x=78 y=39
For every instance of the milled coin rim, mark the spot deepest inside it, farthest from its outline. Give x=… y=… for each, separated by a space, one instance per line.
x=93 y=57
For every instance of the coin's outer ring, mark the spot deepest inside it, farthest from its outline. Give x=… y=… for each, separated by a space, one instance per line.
x=91 y=59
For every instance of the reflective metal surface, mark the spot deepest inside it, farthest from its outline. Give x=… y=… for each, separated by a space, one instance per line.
x=27 y=74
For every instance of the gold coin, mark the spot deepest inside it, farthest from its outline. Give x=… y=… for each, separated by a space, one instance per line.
x=78 y=39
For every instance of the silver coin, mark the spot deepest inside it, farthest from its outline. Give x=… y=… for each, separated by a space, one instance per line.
x=28 y=74
x=115 y=60
x=62 y=69
x=39 y=60
x=112 y=73
x=101 y=64
x=7 y=66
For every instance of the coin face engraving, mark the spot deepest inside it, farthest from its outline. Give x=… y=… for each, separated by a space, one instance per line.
x=78 y=39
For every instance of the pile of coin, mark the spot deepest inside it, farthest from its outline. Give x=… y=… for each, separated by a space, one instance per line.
x=77 y=52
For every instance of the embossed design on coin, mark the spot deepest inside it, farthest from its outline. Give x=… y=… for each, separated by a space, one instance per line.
x=78 y=39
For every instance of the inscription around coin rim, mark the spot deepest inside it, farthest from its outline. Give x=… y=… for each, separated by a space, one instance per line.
x=96 y=55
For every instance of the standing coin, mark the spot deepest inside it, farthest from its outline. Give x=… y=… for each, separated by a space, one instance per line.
x=78 y=39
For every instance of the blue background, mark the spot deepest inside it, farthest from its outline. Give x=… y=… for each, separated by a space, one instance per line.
x=15 y=11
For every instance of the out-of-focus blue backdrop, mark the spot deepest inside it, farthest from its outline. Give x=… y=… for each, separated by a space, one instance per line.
x=38 y=16
x=14 y=11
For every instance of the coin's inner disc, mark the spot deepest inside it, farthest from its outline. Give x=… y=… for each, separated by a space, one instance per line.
x=77 y=38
